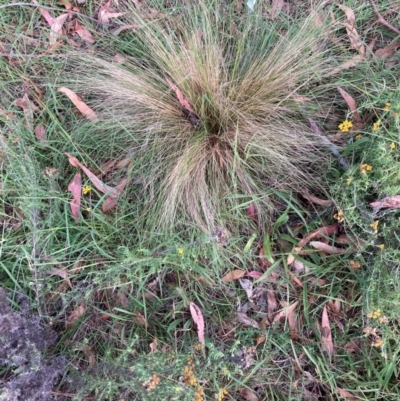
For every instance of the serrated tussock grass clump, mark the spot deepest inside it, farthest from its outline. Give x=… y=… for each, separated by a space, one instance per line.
x=244 y=131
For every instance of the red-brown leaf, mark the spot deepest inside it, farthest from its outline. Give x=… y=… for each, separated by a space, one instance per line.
x=45 y=13
x=75 y=187
x=182 y=100
x=105 y=14
x=233 y=275
x=79 y=103
x=285 y=312
x=388 y=202
x=40 y=133
x=321 y=246
x=56 y=28
x=248 y=394
x=83 y=33
x=197 y=317
x=75 y=315
x=326 y=334
x=317 y=201
x=111 y=201
x=351 y=103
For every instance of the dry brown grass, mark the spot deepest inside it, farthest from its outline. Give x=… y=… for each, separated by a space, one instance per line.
x=247 y=134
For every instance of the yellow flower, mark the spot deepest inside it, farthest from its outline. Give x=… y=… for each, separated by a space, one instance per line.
x=365 y=167
x=222 y=393
x=86 y=190
x=374 y=225
x=354 y=264
x=180 y=251
x=375 y=125
x=387 y=106
x=339 y=216
x=392 y=145
x=377 y=342
x=359 y=136
x=349 y=180
x=382 y=246
x=345 y=126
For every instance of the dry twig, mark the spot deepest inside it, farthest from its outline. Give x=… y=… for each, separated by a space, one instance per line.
x=382 y=20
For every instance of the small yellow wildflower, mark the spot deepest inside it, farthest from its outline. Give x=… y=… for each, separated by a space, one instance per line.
x=354 y=264
x=151 y=383
x=382 y=246
x=377 y=342
x=392 y=145
x=349 y=180
x=345 y=126
x=86 y=190
x=359 y=136
x=339 y=216
x=221 y=394
x=375 y=125
x=387 y=106
x=89 y=209
x=374 y=226
x=180 y=251
x=364 y=168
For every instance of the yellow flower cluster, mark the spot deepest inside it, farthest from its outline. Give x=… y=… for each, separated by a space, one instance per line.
x=365 y=167
x=151 y=383
x=86 y=190
x=345 y=126
x=339 y=216
x=190 y=380
x=221 y=394
x=387 y=106
x=376 y=125
x=354 y=264
x=376 y=340
x=374 y=315
x=358 y=136
x=392 y=145
x=374 y=226
x=180 y=251
x=382 y=246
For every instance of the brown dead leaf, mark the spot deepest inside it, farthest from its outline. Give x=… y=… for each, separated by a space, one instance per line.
x=326 y=334
x=75 y=315
x=353 y=345
x=139 y=319
x=388 y=50
x=63 y=273
x=111 y=201
x=352 y=33
x=313 y=199
x=352 y=104
x=182 y=100
x=248 y=394
x=321 y=246
x=347 y=64
x=56 y=28
x=296 y=280
x=90 y=355
x=40 y=133
x=28 y=108
x=272 y=305
x=276 y=8
x=346 y=395
x=153 y=346
x=285 y=312
x=241 y=317
x=75 y=187
x=252 y=213
x=388 y=202
x=117 y=31
x=92 y=177
x=45 y=13
x=105 y=14
x=83 y=33
x=233 y=275
x=198 y=318
x=77 y=101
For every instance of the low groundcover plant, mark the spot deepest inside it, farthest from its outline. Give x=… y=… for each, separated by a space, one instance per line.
x=211 y=107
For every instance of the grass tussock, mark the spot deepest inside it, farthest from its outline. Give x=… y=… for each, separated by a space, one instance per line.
x=245 y=133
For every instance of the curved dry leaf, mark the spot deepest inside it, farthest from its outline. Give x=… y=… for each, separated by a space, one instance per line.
x=388 y=50
x=111 y=201
x=105 y=14
x=351 y=103
x=317 y=201
x=388 y=202
x=321 y=246
x=326 y=334
x=56 y=28
x=45 y=13
x=197 y=317
x=75 y=315
x=182 y=100
x=83 y=33
x=248 y=394
x=40 y=133
x=233 y=275
x=241 y=317
x=75 y=187
x=285 y=312
x=79 y=103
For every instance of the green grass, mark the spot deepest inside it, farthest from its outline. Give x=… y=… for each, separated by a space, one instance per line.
x=128 y=274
